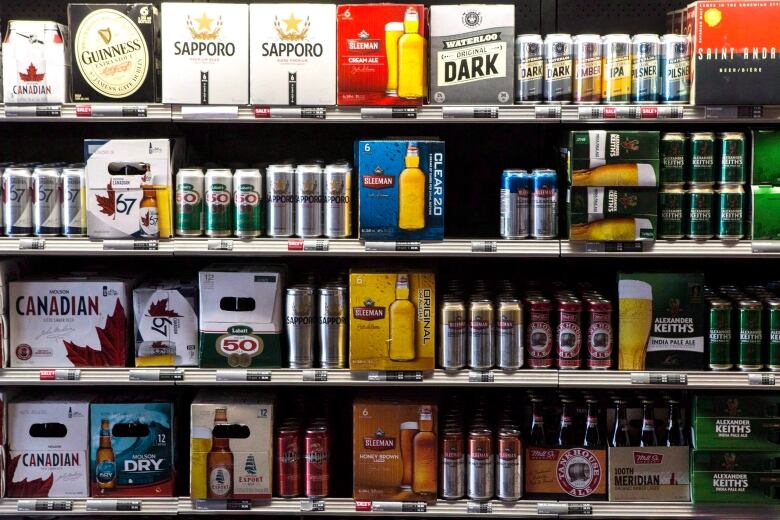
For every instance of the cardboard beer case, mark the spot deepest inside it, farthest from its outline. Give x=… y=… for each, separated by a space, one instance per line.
x=766 y=157
x=735 y=477
x=766 y=212
x=574 y=473
x=612 y=208
x=613 y=158
x=736 y=422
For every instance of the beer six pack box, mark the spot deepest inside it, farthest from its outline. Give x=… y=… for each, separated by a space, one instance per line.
x=131 y=449
x=401 y=189
x=115 y=52
x=766 y=157
x=205 y=48
x=382 y=54
x=613 y=158
x=736 y=422
x=566 y=473
x=609 y=213
x=293 y=54
x=392 y=324
x=48 y=447
x=231 y=445
x=661 y=321
x=69 y=322
x=472 y=54
x=35 y=62
x=766 y=212
x=734 y=476
x=241 y=315
x=394 y=450
x=166 y=324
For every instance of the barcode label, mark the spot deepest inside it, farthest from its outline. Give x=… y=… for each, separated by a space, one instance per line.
x=315 y=375
x=220 y=245
x=481 y=377
x=32 y=243
x=479 y=507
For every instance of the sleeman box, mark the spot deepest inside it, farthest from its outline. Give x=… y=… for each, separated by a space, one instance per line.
x=612 y=213
x=566 y=473
x=733 y=476
x=736 y=422
x=613 y=158
x=166 y=324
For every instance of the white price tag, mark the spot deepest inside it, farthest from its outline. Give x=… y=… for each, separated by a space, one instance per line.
x=131 y=245
x=298 y=244
x=399 y=507
x=387 y=247
x=209 y=112
x=551 y=508
x=60 y=374
x=223 y=505
x=312 y=505
x=395 y=375
x=481 y=377
x=388 y=113
x=483 y=246
x=147 y=374
x=220 y=245
x=33 y=111
x=32 y=243
x=315 y=375
x=113 y=505
x=456 y=112
x=44 y=505
x=658 y=378
x=547 y=112
x=479 y=507
x=103 y=110
x=761 y=379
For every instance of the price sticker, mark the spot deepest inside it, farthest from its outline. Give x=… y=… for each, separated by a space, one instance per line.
x=479 y=507
x=455 y=112
x=315 y=375
x=220 y=245
x=145 y=374
x=258 y=375
x=308 y=245
x=312 y=505
x=32 y=243
x=131 y=245
x=761 y=379
x=481 y=377
x=547 y=112
x=65 y=374
x=395 y=375
x=113 y=505
x=388 y=113
x=388 y=247
x=44 y=505
x=658 y=378
x=579 y=509
x=483 y=246
x=223 y=505
x=551 y=508
x=33 y=111
x=399 y=507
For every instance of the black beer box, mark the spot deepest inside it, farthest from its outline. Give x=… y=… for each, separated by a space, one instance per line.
x=115 y=52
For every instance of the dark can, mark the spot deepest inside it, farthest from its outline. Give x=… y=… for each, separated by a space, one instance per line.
x=731 y=220
x=671 y=200
x=544 y=204
x=288 y=461
x=750 y=335
x=731 y=158
x=509 y=466
x=773 y=310
x=600 y=336
x=719 y=337
x=672 y=158
x=699 y=204
x=452 y=466
x=529 y=56
x=539 y=340
x=480 y=472
x=569 y=334
x=317 y=449
x=701 y=158
x=557 y=68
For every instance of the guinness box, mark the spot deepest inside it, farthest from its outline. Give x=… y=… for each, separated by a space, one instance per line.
x=730 y=476
x=115 y=52
x=736 y=422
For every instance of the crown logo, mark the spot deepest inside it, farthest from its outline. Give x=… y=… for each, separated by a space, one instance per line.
x=105 y=35
x=302 y=308
x=291 y=32
x=204 y=30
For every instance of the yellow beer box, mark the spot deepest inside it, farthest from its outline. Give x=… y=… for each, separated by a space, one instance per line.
x=392 y=324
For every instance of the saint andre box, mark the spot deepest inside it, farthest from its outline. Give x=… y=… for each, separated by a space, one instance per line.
x=35 y=62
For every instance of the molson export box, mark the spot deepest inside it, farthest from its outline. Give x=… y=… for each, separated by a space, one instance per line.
x=48 y=447
x=241 y=314
x=734 y=476
x=382 y=54
x=231 y=445
x=35 y=63
x=401 y=189
x=394 y=450
x=293 y=54
x=392 y=321
x=166 y=324
x=565 y=473
x=661 y=321
x=736 y=422
x=472 y=54
x=69 y=322
x=205 y=48
x=131 y=449
x=612 y=213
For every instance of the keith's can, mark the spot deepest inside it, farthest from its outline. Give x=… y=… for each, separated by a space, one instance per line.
x=699 y=204
x=671 y=201
x=701 y=158
x=557 y=68
x=529 y=55
x=644 y=68
x=452 y=333
x=672 y=158
x=480 y=470
x=750 y=335
x=317 y=467
x=452 y=465
x=300 y=325
x=481 y=334
x=218 y=192
x=308 y=200
x=515 y=204
x=719 y=337
x=616 y=68
x=189 y=202
x=600 y=336
x=509 y=466
x=509 y=332
x=587 y=68
x=289 y=458
x=247 y=202
x=539 y=340
x=47 y=202
x=544 y=204
x=731 y=158
x=337 y=200
x=731 y=203
x=17 y=192
x=675 y=68
x=569 y=334
x=280 y=199
x=332 y=324
x=74 y=202
x=773 y=310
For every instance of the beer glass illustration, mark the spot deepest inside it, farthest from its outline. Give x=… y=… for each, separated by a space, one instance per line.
x=393 y=33
x=636 y=318
x=408 y=432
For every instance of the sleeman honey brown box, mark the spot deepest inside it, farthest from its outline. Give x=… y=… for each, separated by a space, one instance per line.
x=392 y=322
x=566 y=473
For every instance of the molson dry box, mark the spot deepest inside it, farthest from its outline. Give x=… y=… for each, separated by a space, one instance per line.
x=35 y=67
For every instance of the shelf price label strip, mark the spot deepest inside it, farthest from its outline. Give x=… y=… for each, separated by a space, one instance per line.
x=469 y=112
x=547 y=112
x=267 y=112
x=389 y=247
x=145 y=374
x=761 y=379
x=220 y=245
x=32 y=244
x=484 y=246
x=111 y=111
x=481 y=377
x=251 y=375
x=388 y=113
x=44 y=505
x=312 y=504
x=394 y=375
x=60 y=374
x=473 y=507
x=131 y=245
x=113 y=505
x=315 y=375
x=33 y=111
x=658 y=378
x=300 y=244
x=557 y=509
x=223 y=505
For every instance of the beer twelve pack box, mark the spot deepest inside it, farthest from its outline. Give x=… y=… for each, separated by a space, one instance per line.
x=205 y=48
x=293 y=54
x=69 y=322
x=732 y=476
x=472 y=54
x=401 y=189
x=35 y=62
x=132 y=449
x=766 y=157
x=382 y=54
x=166 y=324
x=115 y=52
x=231 y=445
x=736 y=422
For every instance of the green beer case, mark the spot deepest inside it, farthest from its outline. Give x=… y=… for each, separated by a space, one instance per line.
x=766 y=157
x=730 y=476
x=736 y=422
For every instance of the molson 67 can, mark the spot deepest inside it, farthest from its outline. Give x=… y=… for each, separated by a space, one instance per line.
x=47 y=201
x=644 y=68
x=17 y=192
x=616 y=68
x=587 y=68
x=557 y=68
x=675 y=51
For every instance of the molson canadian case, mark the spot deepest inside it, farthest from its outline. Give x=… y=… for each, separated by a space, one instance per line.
x=115 y=52
x=69 y=322
x=293 y=54
x=166 y=324
x=131 y=449
x=736 y=422
x=205 y=48
x=734 y=476
x=35 y=63
x=382 y=53
x=231 y=445
x=392 y=321
x=48 y=447
x=472 y=54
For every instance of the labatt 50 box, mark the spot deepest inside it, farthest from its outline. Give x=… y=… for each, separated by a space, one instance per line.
x=166 y=324
x=472 y=54
x=69 y=321
x=382 y=54
x=736 y=422
x=231 y=446
x=566 y=473
x=392 y=323
x=131 y=449
x=35 y=64
x=734 y=476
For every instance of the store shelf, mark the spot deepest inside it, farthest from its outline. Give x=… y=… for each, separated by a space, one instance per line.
x=676 y=510
x=693 y=380
x=663 y=248
x=83 y=246
x=86 y=112
x=89 y=376
x=668 y=113
x=18 y=508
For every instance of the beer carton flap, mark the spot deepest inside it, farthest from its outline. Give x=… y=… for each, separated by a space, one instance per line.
x=241 y=297
x=48 y=425
x=250 y=420
x=443 y=17
x=125 y=164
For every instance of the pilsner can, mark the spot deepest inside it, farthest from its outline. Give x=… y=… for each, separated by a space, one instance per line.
x=557 y=68
x=675 y=51
x=317 y=467
x=644 y=68
x=47 y=202
x=529 y=55
x=218 y=193
x=750 y=335
x=74 y=202
x=515 y=204
x=509 y=334
x=671 y=201
x=773 y=309
x=616 y=68
x=332 y=325
x=247 y=202
x=731 y=158
x=509 y=466
x=481 y=334
x=544 y=204
x=587 y=68
x=480 y=472
x=452 y=333
x=280 y=200
x=452 y=465
x=189 y=202
x=731 y=203
x=569 y=334
x=308 y=200
x=600 y=336
x=338 y=201
x=719 y=336
x=539 y=341
x=300 y=325
x=17 y=192
x=701 y=158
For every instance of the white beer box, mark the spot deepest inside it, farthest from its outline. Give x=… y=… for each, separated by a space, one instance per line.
x=293 y=54
x=166 y=324
x=69 y=321
x=472 y=54
x=205 y=52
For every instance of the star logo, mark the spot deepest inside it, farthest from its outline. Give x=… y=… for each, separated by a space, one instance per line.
x=204 y=28
x=204 y=22
x=290 y=29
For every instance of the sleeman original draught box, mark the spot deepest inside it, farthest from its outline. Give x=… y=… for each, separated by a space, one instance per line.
x=35 y=62
x=736 y=422
x=566 y=473
x=241 y=315
x=733 y=476
x=401 y=189
x=766 y=212
x=472 y=54
x=231 y=445
x=661 y=321
x=608 y=213
x=613 y=158
x=392 y=323
x=766 y=157
x=166 y=324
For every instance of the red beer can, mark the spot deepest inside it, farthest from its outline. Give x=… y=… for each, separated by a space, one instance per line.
x=317 y=461
x=288 y=461
x=539 y=340
x=569 y=334
x=600 y=336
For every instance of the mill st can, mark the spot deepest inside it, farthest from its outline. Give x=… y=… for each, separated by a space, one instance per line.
x=479 y=465
x=699 y=204
x=280 y=199
x=17 y=192
x=189 y=202
x=300 y=310
x=569 y=334
x=539 y=334
x=481 y=352
x=452 y=331
x=672 y=158
x=247 y=202
x=74 y=202
x=338 y=201
x=671 y=201
x=701 y=158
x=645 y=68
x=218 y=193
x=509 y=466
x=452 y=465
x=750 y=335
x=731 y=158
x=332 y=325
x=509 y=332
x=308 y=200
x=544 y=204
x=675 y=68
x=587 y=68
x=773 y=311
x=47 y=202
x=719 y=337
x=557 y=68
x=529 y=55
x=616 y=68
x=731 y=203
x=515 y=204
x=600 y=336
x=289 y=458
x=317 y=461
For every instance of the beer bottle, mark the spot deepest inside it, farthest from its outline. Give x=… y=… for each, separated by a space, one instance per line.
x=648 y=437
x=425 y=457
x=592 y=435
x=566 y=433
x=219 y=461
x=538 y=437
x=105 y=462
x=675 y=434
x=620 y=434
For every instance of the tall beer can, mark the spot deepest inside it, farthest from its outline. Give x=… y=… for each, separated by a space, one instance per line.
x=288 y=460
x=701 y=158
x=509 y=466
x=317 y=466
x=332 y=324
x=247 y=202
x=675 y=68
x=480 y=465
x=719 y=336
x=509 y=334
x=452 y=333
x=750 y=335
x=569 y=334
x=544 y=204
x=587 y=68
x=308 y=200
x=17 y=192
x=730 y=206
x=338 y=200
x=280 y=198
x=731 y=158
x=74 y=202
x=600 y=335
x=189 y=202
x=645 y=68
x=481 y=334
x=47 y=202
x=452 y=464
x=218 y=192
x=539 y=340
x=557 y=68
x=300 y=325
x=529 y=55
x=515 y=204
x=616 y=68
x=773 y=354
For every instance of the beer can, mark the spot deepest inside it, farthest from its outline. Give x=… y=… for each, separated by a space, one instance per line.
x=509 y=466
x=750 y=335
x=557 y=68
x=308 y=200
x=189 y=202
x=317 y=467
x=452 y=333
x=731 y=203
x=731 y=158
x=773 y=310
x=289 y=457
x=701 y=158
x=332 y=320
x=616 y=68
x=515 y=204
x=699 y=205
x=218 y=192
x=672 y=158
x=47 y=202
x=600 y=335
x=17 y=192
x=645 y=68
x=569 y=334
x=452 y=465
x=299 y=307
x=529 y=56
x=247 y=202
x=338 y=200
x=719 y=336
x=671 y=200
x=509 y=333
x=587 y=68
x=480 y=470
x=74 y=202
x=675 y=68
x=280 y=200
x=481 y=334
x=539 y=341
x=544 y=204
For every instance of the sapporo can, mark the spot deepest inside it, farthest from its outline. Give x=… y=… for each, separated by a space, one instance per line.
x=675 y=68
x=218 y=193
x=672 y=158
x=671 y=201
x=773 y=311
x=569 y=334
x=645 y=68
x=481 y=352
x=333 y=327
x=452 y=465
x=719 y=336
x=247 y=202
x=587 y=68
x=539 y=340
x=189 y=202
x=452 y=333
x=750 y=335
x=337 y=203
x=479 y=465
x=600 y=335
x=317 y=467
x=515 y=204
x=731 y=203
x=616 y=68
x=509 y=332
x=509 y=466
x=280 y=200
x=17 y=195
x=731 y=158
x=289 y=457
x=74 y=202
x=557 y=68
x=308 y=200
x=299 y=310
x=529 y=55
x=699 y=205
x=47 y=201
x=701 y=158
x=544 y=204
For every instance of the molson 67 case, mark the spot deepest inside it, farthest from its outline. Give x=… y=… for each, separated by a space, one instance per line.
x=166 y=324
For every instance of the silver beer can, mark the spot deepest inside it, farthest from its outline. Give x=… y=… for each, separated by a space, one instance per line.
x=299 y=307
x=332 y=324
x=17 y=194
x=280 y=200
x=479 y=465
x=558 y=68
x=645 y=68
x=452 y=333
x=47 y=202
x=308 y=200
x=509 y=465
x=529 y=57
x=481 y=334
x=338 y=200
x=452 y=465
x=74 y=202
x=509 y=334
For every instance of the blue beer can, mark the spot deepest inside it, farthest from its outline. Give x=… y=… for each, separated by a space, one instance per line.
x=515 y=204
x=675 y=68
x=544 y=203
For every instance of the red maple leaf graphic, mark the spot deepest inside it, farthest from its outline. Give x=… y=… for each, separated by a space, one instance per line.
x=36 y=488
x=107 y=204
x=160 y=308
x=113 y=344
x=31 y=74
x=145 y=220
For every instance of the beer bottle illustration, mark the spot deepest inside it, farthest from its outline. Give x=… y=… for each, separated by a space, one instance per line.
x=149 y=215
x=105 y=462
x=402 y=319
x=411 y=58
x=219 y=462
x=411 y=192
x=425 y=459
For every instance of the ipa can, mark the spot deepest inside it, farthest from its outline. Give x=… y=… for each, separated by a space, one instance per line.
x=509 y=332
x=218 y=193
x=308 y=200
x=557 y=68
x=675 y=68
x=509 y=466
x=300 y=326
x=332 y=324
x=539 y=341
x=773 y=354
x=481 y=354
x=280 y=200
x=47 y=202
x=699 y=204
x=515 y=204
x=616 y=68
x=247 y=202
x=317 y=466
x=644 y=68
x=731 y=158
x=452 y=465
x=544 y=204
x=17 y=192
x=731 y=203
x=587 y=68
x=569 y=334
x=600 y=336
x=452 y=333
x=671 y=200
x=701 y=158
x=74 y=202
x=529 y=55
x=480 y=472
x=719 y=337
x=337 y=203
x=189 y=202
x=750 y=335
x=672 y=158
